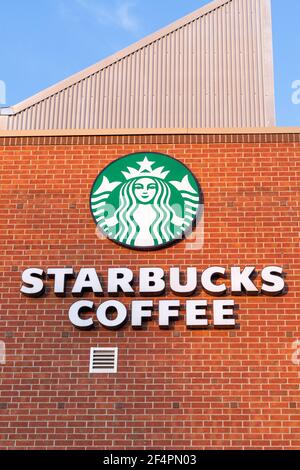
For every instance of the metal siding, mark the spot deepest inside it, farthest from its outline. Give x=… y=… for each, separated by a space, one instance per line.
x=216 y=71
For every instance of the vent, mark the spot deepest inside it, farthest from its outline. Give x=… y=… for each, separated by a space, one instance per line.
x=103 y=360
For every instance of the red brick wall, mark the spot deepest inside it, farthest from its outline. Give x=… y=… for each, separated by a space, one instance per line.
x=177 y=388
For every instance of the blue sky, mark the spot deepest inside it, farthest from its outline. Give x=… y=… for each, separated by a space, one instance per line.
x=42 y=42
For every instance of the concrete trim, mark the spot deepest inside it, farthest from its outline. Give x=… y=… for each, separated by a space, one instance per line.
x=121 y=132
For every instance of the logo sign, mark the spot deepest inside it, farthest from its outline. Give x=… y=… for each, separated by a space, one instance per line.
x=145 y=201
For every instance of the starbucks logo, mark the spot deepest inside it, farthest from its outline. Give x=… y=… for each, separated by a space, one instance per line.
x=145 y=201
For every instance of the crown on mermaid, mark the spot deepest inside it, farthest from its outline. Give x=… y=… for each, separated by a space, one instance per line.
x=145 y=171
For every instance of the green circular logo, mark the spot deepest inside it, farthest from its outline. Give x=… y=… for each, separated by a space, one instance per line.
x=145 y=201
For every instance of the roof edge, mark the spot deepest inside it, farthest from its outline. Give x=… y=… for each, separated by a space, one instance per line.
x=268 y=63
x=52 y=90
x=175 y=131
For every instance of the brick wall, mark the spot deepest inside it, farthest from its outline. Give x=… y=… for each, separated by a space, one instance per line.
x=177 y=388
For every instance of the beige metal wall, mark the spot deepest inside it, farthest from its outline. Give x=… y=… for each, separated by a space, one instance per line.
x=212 y=69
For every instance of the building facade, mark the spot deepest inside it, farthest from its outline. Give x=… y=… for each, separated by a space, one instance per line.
x=204 y=352
x=175 y=388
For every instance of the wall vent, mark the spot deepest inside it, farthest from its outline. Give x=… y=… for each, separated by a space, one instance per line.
x=103 y=360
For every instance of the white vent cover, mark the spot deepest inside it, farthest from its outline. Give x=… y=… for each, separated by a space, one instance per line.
x=103 y=360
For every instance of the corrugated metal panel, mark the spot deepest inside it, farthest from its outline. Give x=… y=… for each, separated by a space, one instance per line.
x=213 y=69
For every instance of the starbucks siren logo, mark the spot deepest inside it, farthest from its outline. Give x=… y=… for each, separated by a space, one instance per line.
x=145 y=200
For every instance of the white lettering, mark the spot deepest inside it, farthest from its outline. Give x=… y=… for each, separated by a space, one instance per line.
x=207 y=283
x=196 y=313
x=60 y=275
x=74 y=314
x=191 y=282
x=168 y=309
x=241 y=280
x=139 y=310
x=117 y=307
x=87 y=279
x=152 y=280
x=221 y=310
x=33 y=277
x=119 y=279
x=273 y=281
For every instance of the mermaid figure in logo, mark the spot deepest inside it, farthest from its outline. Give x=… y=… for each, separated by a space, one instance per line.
x=145 y=216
